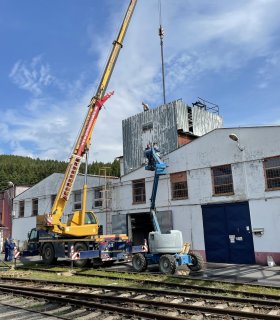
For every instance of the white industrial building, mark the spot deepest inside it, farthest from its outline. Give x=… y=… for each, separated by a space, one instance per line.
x=39 y=199
x=222 y=188
x=224 y=196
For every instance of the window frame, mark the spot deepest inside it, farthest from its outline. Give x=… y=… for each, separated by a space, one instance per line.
x=77 y=205
x=98 y=201
x=267 y=188
x=53 y=197
x=147 y=127
x=21 y=207
x=175 y=179
x=214 y=186
x=142 y=195
x=35 y=207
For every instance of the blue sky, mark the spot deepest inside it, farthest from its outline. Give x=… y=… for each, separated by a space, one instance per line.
x=53 y=53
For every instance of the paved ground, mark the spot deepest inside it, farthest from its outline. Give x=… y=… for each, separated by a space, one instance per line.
x=243 y=273
x=253 y=274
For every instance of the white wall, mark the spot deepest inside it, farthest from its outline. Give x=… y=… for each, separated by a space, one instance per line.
x=21 y=227
x=197 y=158
x=265 y=213
x=43 y=192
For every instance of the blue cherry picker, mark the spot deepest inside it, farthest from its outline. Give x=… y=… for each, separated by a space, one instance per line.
x=165 y=249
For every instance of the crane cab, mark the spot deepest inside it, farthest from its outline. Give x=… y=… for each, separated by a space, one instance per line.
x=89 y=226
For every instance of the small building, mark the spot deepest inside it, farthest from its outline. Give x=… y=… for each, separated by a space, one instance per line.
x=39 y=199
x=7 y=212
x=223 y=195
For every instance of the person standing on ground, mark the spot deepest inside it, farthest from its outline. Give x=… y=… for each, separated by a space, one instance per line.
x=7 y=249
x=12 y=246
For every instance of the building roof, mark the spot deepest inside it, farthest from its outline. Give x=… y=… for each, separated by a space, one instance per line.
x=50 y=185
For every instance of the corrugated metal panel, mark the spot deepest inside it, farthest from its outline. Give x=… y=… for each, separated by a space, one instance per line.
x=204 y=121
x=160 y=125
x=155 y=125
x=182 y=115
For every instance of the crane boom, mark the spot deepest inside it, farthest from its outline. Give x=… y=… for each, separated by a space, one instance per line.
x=83 y=142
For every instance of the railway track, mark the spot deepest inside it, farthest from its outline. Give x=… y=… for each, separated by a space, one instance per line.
x=119 y=274
x=142 y=303
x=21 y=310
x=167 y=284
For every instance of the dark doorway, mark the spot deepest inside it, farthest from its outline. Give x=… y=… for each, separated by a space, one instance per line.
x=140 y=224
x=228 y=233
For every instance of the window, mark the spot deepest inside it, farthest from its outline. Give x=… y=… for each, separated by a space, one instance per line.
x=147 y=127
x=179 y=187
x=34 y=207
x=33 y=236
x=222 y=180
x=98 y=197
x=90 y=218
x=272 y=173
x=138 y=191
x=21 y=209
x=77 y=200
x=53 y=196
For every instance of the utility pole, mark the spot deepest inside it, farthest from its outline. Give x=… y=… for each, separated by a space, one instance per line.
x=161 y=34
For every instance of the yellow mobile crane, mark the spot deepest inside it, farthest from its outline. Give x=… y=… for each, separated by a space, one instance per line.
x=83 y=222
x=79 y=237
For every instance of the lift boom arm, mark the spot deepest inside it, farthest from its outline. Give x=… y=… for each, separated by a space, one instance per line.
x=158 y=166
x=84 y=138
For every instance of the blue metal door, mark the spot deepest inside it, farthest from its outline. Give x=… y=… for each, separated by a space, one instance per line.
x=227 y=233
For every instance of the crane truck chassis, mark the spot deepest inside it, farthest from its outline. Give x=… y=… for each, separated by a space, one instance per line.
x=101 y=250
x=108 y=249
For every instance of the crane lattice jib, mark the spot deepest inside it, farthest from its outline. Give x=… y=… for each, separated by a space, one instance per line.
x=83 y=141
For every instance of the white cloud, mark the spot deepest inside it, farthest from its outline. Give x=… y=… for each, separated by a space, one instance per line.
x=31 y=76
x=269 y=71
x=201 y=36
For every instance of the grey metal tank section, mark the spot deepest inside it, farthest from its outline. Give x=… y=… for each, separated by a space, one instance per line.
x=161 y=125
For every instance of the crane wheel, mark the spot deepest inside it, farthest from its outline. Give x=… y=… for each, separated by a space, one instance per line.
x=48 y=254
x=167 y=264
x=139 y=262
x=80 y=246
x=197 y=262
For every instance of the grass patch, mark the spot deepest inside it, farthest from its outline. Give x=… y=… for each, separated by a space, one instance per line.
x=128 y=280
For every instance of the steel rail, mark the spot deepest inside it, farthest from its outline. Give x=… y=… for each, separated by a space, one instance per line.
x=275 y=302
x=191 y=277
x=173 y=285
x=51 y=316
x=196 y=275
x=91 y=304
x=106 y=304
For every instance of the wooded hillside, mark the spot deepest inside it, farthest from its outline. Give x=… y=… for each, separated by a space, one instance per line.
x=28 y=171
